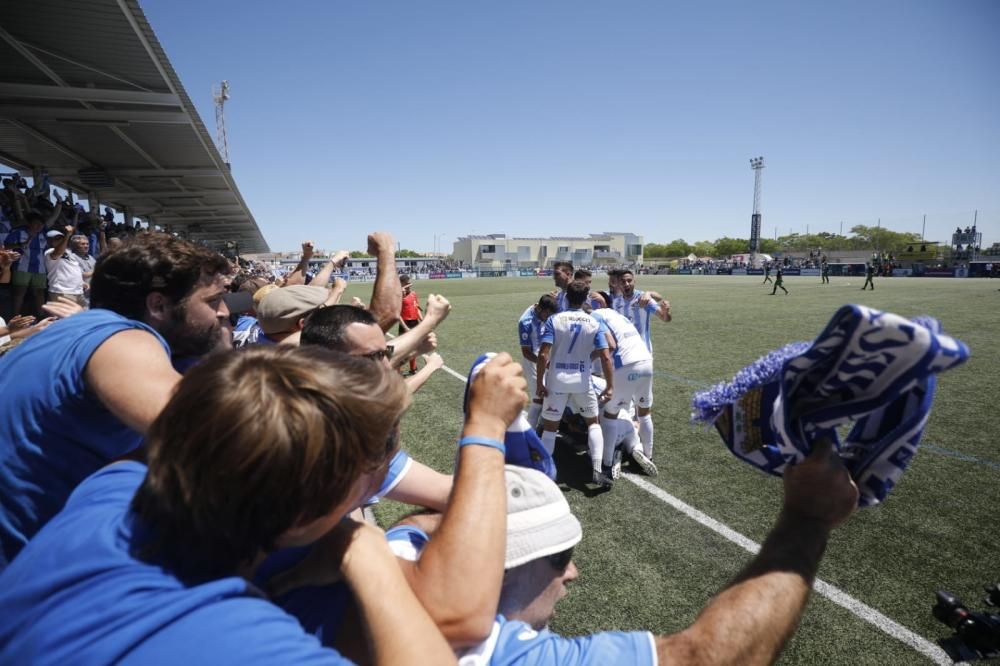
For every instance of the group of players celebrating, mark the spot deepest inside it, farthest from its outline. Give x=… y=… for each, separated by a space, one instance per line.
x=589 y=354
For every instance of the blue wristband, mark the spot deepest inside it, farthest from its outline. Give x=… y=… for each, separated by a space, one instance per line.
x=483 y=441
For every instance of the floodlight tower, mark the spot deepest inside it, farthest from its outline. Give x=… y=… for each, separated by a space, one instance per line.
x=757 y=164
x=220 y=94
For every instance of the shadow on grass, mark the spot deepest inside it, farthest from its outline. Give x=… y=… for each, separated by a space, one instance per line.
x=573 y=468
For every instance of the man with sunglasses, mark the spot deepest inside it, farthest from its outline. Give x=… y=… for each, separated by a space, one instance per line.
x=355 y=331
x=748 y=622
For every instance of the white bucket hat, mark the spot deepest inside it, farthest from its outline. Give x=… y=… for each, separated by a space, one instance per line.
x=539 y=521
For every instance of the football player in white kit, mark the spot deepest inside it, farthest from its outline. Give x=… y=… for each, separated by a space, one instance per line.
x=529 y=333
x=633 y=380
x=622 y=437
x=562 y=275
x=638 y=306
x=570 y=340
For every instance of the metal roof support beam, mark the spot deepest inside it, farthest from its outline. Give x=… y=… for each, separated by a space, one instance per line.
x=31 y=57
x=31 y=91
x=196 y=194
x=52 y=113
x=208 y=209
x=52 y=143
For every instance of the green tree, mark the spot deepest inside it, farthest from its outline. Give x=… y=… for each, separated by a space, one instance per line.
x=408 y=254
x=654 y=251
x=705 y=249
x=678 y=248
x=726 y=246
x=357 y=254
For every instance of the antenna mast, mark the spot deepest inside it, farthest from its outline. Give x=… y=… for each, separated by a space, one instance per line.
x=220 y=94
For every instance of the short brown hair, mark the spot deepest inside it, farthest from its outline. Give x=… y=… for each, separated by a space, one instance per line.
x=255 y=442
x=151 y=262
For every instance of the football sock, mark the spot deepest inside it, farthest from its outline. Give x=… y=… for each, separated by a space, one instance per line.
x=646 y=434
x=595 y=442
x=549 y=440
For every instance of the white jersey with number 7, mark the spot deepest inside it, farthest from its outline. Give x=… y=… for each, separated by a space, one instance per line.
x=574 y=335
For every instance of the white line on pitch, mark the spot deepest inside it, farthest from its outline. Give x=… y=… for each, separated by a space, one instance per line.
x=834 y=594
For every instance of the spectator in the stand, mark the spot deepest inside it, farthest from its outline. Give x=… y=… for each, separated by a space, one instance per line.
x=283 y=312
x=409 y=315
x=748 y=622
x=29 y=271
x=255 y=451
x=68 y=272
x=155 y=296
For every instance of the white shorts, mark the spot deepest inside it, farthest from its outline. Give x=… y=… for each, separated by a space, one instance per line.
x=584 y=404
x=530 y=375
x=633 y=383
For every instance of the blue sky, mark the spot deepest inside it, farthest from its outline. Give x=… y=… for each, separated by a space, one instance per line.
x=436 y=119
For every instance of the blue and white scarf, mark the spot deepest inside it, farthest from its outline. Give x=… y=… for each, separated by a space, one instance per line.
x=524 y=446
x=872 y=368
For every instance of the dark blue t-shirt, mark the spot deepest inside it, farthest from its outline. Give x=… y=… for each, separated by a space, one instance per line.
x=77 y=595
x=54 y=432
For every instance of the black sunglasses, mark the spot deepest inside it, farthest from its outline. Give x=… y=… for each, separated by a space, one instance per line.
x=561 y=560
x=380 y=354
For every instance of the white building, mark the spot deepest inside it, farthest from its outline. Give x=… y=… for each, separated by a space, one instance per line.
x=498 y=251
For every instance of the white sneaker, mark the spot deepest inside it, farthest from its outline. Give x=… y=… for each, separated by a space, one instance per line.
x=645 y=464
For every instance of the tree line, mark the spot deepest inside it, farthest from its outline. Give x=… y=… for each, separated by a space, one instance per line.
x=862 y=238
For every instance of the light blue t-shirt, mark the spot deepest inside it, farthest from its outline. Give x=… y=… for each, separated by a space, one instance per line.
x=515 y=643
x=77 y=595
x=55 y=432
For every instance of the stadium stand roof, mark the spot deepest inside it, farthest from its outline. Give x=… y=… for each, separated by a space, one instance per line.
x=88 y=95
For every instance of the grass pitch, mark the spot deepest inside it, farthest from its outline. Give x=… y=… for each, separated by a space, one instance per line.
x=644 y=565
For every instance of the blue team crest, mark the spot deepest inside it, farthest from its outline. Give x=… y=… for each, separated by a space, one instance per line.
x=523 y=445
x=873 y=369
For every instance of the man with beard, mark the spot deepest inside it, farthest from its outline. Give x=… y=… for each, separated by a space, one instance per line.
x=82 y=393
x=562 y=275
x=638 y=306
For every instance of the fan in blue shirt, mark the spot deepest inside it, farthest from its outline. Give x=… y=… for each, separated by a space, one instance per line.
x=81 y=393
x=255 y=451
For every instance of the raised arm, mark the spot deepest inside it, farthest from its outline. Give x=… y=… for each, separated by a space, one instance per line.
x=59 y=249
x=751 y=620
x=399 y=630
x=336 y=262
x=432 y=363
x=298 y=274
x=387 y=294
x=410 y=342
x=459 y=574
